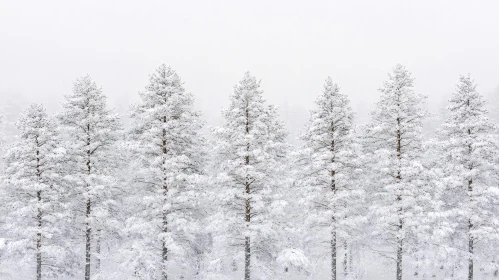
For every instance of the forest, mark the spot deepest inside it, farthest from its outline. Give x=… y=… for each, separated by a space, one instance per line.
x=164 y=197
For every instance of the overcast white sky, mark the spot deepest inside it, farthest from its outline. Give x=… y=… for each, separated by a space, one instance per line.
x=292 y=46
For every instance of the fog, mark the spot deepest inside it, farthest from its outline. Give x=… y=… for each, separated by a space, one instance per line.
x=292 y=46
x=378 y=201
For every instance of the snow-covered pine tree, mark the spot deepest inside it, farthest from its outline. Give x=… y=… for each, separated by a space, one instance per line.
x=329 y=165
x=166 y=141
x=251 y=150
x=394 y=137
x=469 y=152
x=37 y=218
x=93 y=131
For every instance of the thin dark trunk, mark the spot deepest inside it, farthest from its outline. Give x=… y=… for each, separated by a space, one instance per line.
x=333 y=220
x=470 y=244
x=164 y=252
x=400 y=240
x=247 y=258
x=247 y=241
x=88 y=231
x=333 y=233
x=38 y=217
x=400 y=243
x=470 y=223
x=247 y=245
x=39 y=240
x=88 y=240
x=165 y=249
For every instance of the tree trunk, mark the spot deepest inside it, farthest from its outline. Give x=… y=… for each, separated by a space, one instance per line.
x=333 y=234
x=165 y=249
x=88 y=240
x=164 y=253
x=400 y=242
x=247 y=241
x=399 y=256
x=39 y=240
x=38 y=217
x=88 y=231
x=247 y=259
x=333 y=220
x=400 y=239
x=470 y=223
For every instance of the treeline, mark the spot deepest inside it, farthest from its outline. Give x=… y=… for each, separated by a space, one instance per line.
x=83 y=197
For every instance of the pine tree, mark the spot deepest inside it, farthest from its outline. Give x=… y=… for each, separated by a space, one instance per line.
x=93 y=131
x=166 y=141
x=37 y=217
x=250 y=154
x=394 y=137
x=329 y=167
x=469 y=152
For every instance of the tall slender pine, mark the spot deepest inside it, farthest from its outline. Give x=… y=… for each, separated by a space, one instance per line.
x=394 y=137
x=251 y=148
x=37 y=218
x=469 y=152
x=168 y=147
x=93 y=131
x=328 y=163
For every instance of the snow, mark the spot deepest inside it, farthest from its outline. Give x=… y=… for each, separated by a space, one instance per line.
x=158 y=200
